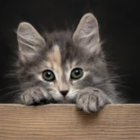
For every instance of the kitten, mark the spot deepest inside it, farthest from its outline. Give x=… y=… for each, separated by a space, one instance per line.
x=64 y=67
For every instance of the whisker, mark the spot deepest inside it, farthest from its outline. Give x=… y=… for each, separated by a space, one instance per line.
x=8 y=87
x=105 y=84
x=115 y=85
x=9 y=93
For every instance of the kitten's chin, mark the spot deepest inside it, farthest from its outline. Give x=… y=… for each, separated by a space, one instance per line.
x=64 y=100
x=59 y=98
x=68 y=101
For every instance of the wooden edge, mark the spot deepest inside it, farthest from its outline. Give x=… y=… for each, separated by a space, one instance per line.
x=68 y=105
x=65 y=122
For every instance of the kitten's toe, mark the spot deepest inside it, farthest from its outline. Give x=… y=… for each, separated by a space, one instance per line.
x=35 y=96
x=87 y=103
x=26 y=99
x=91 y=101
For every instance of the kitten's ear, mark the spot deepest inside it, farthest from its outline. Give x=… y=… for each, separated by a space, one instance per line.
x=87 y=33
x=29 y=41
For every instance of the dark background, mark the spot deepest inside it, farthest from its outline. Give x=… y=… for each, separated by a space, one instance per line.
x=119 y=22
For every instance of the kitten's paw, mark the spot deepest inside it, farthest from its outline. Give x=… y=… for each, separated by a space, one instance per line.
x=91 y=100
x=34 y=96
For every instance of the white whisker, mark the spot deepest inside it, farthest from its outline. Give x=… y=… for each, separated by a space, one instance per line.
x=9 y=87
x=7 y=94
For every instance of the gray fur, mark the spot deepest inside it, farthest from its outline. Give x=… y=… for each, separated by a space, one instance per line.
x=82 y=47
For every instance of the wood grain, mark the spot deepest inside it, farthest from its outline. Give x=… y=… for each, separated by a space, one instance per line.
x=65 y=122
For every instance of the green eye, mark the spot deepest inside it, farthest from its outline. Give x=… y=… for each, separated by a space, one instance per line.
x=76 y=73
x=48 y=75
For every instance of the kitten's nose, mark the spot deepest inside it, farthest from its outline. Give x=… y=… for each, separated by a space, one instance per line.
x=64 y=92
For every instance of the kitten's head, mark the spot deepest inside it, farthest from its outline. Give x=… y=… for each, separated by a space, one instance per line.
x=61 y=62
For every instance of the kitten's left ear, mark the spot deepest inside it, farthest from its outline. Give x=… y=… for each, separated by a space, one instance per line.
x=87 y=33
x=29 y=41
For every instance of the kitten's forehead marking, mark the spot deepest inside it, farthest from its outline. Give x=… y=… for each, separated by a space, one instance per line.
x=55 y=55
x=55 y=60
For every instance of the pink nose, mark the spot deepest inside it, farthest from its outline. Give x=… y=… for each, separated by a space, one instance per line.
x=64 y=92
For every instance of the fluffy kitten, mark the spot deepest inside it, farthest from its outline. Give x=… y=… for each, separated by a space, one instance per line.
x=64 y=67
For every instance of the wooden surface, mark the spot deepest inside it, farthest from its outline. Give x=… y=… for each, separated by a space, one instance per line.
x=65 y=122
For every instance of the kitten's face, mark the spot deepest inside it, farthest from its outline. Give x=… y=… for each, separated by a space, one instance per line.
x=61 y=79
x=62 y=63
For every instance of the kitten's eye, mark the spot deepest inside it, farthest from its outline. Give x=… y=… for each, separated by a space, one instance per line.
x=76 y=73
x=48 y=75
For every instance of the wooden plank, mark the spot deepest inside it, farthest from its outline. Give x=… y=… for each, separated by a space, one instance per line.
x=65 y=122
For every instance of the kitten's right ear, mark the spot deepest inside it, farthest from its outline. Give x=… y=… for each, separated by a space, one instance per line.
x=29 y=41
x=87 y=34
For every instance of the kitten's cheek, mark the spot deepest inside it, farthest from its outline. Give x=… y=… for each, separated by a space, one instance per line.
x=71 y=97
x=57 y=96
